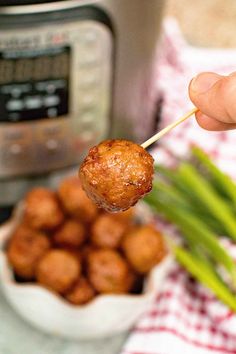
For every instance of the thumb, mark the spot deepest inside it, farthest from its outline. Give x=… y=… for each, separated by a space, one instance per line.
x=215 y=96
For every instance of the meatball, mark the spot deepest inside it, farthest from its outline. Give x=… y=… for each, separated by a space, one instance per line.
x=25 y=249
x=81 y=293
x=107 y=231
x=58 y=270
x=70 y=234
x=144 y=247
x=85 y=252
x=126 y=216
x=108 y=272
x=116 y=174
x=75 y=201
x=42 y=210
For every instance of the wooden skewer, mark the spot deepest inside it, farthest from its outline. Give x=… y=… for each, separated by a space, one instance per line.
x=157 y=136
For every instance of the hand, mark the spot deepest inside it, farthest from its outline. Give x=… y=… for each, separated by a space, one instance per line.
x=215 y=96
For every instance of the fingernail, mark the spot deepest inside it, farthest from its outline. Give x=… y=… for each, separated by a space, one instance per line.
x=203 y=82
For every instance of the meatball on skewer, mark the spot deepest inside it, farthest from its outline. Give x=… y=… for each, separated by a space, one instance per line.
x=116 y=174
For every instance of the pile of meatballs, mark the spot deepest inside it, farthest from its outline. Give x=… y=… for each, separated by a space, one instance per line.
x=69 y=246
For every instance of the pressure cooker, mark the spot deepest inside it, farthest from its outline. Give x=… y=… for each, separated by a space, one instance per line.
x=71 y=74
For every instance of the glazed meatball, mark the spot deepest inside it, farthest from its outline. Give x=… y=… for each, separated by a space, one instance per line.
x=58 y=270
x=116 y=174
x=126 y=216
x=42 y=210
x=107 y=231
x=81 y=293
x=144 y=247
x=75 y=200
x=25 y=249
x=108 y=272
x=70 y=234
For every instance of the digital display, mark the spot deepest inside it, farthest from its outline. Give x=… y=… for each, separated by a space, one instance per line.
x=34 y=83
x=40 y=67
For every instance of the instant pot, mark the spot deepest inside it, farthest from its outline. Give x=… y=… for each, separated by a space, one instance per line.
x=71 y=74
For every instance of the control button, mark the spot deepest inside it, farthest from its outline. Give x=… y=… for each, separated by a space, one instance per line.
x=90 y=36
x=17 y=156
x=16 y=92
x=88 y=117
x=52 y=131
x=51 y=101
x=52 y=145
x=14 y=135
x=14 y=105
x=15 y=149
x=88 y=100
x=53 y=153
x=33 y=102
x=50 y=88
x=88 y=135
x=91 y=79
x=52 y=112
x=89 y=58
x=23 y=88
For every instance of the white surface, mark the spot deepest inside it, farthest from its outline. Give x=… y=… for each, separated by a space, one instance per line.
x=17 y=337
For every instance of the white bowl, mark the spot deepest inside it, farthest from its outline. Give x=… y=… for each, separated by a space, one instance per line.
x=105 y=316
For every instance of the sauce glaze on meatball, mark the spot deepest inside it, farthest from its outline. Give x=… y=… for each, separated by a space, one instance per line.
x=144 y=247
x=75 y=201
x=58 y=270
x=81 y=293
x=107 y=231
x=116 y=174
x=70 y=234
x=25 y=249
x=42 y=210
x=109 y=272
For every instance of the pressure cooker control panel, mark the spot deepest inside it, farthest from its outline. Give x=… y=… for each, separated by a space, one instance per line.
x=55 y=95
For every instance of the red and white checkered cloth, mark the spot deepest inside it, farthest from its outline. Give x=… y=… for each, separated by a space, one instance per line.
x=186 y=318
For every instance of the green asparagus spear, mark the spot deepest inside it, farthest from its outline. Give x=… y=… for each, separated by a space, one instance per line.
x=180 y=200
x=194 y=231
x=206 y=276
x=206 y=194
x=224 y=181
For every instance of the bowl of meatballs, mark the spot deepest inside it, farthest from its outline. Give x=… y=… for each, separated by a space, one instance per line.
x=77 y=271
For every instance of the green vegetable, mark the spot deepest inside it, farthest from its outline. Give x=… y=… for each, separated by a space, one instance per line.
x=224 y=182
x=195 y=232
x=204 y=192
x=206 y=275
x=201 y=201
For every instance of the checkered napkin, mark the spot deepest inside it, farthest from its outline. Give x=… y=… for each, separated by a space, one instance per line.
x=186 y=318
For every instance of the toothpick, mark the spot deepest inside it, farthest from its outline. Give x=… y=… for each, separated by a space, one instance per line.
x=157 y=136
